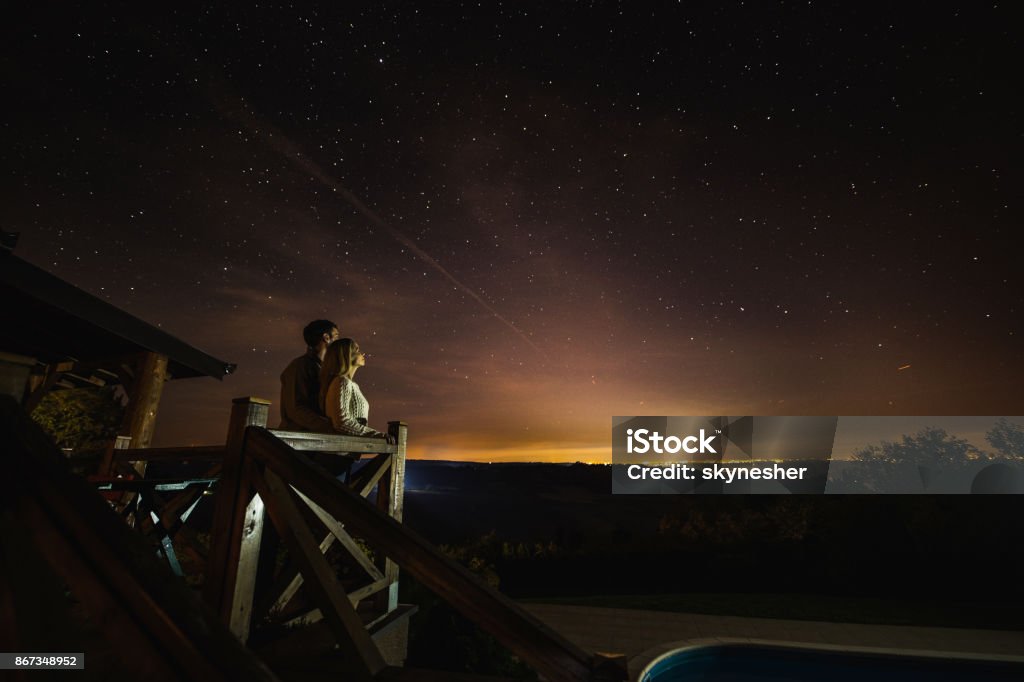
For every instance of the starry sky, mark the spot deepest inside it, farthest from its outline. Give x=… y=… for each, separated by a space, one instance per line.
x=534 y=217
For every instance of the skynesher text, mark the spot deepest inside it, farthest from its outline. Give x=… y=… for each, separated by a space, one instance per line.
x=716 y=472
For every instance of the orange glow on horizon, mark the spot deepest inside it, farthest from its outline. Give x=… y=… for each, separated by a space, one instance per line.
x=541 y=452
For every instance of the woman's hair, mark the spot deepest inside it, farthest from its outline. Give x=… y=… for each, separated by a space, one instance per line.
x=337 y=362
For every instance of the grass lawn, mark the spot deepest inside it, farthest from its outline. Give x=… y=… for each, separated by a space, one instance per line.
x=873 y=610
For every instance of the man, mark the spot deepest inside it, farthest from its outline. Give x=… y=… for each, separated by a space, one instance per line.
x=300 y=381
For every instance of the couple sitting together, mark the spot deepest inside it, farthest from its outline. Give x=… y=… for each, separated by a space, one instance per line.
x=317 y=389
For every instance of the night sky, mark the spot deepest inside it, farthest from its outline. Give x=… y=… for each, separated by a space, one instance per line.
x=536 y=217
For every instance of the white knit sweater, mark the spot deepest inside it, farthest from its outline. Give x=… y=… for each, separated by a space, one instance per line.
x=346 y=408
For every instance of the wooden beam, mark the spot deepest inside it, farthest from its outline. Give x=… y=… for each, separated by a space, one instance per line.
x=391 y=501
x=107 y=464
x=347 y=541
x=292 y=580
x=354 y=597
x=371 y=472
x=548 y=652
x=295 y=581
x=144 y=400
x=321 y=583
x=230 y=512
x=337 y=533
x=172 y=509
x=248 y=567
x=172 y=454
x=169 y=513
x=326 y=442
x=278 y=587
x=361 y=593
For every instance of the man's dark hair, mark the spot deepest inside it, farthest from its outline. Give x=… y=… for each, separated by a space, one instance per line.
x=315 y=330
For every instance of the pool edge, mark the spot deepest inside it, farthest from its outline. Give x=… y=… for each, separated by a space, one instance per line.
x=643 y=662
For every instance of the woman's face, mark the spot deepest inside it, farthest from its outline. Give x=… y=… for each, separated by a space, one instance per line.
x=358 y=357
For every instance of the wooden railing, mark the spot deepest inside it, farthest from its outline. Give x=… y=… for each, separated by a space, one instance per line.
x=158 y=629
x=262 y=473
x=545 y=650
x=243 y=501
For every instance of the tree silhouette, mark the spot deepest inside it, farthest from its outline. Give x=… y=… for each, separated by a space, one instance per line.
x=908 y=465
x=1007 y=439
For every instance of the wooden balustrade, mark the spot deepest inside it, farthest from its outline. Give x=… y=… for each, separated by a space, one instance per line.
x=548 y=652
x=263 y=473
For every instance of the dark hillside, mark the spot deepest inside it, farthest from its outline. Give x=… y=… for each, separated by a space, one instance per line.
x=557 y=530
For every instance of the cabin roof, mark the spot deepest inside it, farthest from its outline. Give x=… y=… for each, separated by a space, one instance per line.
x=54 y=321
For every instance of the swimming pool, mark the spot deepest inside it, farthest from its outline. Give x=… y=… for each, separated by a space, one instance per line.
x=778 y=663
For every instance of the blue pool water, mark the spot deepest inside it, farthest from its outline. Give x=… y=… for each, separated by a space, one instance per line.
x=753 y=663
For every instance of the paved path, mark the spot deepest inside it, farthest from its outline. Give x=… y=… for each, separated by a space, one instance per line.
x=636 y=632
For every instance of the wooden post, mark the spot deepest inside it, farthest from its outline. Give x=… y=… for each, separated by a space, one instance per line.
x=248 y=568
x=107 y=465
x=237 y=525
x=391 y=500
x=140 y=419
x=107 y=468
x=144 y=401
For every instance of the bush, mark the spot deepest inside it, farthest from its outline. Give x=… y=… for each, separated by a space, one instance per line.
x=80 y=419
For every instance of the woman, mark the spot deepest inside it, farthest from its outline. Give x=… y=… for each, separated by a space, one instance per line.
x=340 y=397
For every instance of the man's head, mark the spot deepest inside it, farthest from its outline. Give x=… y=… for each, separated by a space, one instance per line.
x=318 y=334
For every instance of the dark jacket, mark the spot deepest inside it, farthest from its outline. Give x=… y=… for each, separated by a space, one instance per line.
x=300 y=396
